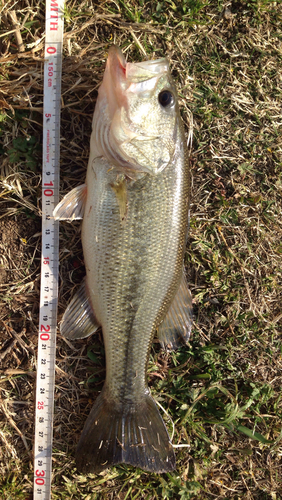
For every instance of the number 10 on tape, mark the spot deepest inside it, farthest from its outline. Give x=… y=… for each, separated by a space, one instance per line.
x=45 y=382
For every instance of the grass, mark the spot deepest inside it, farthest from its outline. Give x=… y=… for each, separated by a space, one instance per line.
x=221 y=393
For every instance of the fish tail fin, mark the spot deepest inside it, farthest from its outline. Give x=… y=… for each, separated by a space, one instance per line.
x=135 y=435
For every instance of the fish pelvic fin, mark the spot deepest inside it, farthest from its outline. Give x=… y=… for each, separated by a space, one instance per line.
x=71 y=207
x=134 y=435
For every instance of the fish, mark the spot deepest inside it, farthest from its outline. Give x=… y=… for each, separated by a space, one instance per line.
x=134 y=205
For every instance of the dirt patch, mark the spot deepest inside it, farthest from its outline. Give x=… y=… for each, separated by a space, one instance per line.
x=19 y=295
x=19 y=264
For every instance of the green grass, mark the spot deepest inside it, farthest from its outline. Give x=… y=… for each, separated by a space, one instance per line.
x=222 y=392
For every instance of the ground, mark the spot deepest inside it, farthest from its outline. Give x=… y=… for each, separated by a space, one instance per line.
x=223 y=391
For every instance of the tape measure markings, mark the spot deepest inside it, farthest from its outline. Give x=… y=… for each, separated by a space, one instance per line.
x=45 y=383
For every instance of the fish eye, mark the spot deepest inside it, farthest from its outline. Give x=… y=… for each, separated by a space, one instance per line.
x=166 y=98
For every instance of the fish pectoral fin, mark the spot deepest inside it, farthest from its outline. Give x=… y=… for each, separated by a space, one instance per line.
x=79 y=320
x=176 y=327
x=71 y=207
x=132 y=434
x=119 y=188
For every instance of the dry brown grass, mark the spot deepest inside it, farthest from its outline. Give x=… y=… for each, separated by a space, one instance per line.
x=226 y=60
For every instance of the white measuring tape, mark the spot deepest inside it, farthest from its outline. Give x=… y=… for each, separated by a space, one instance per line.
x=45 y=382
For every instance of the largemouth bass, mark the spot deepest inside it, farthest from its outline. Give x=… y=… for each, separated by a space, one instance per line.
x=134 y=206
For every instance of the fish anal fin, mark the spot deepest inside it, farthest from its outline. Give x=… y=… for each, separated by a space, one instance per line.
x=72 y=206
x=134 y=435
x=79 y=320
x=175 y=329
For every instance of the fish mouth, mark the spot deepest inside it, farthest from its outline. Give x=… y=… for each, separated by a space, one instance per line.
x=133 y=72
x=116 y=63
x=121 y=137
x=139 y=72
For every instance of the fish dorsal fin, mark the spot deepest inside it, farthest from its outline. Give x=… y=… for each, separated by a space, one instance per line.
x=71 y=207
x=176 y=327
x=79 y=320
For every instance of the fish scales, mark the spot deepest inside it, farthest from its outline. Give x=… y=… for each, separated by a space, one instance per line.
x=135 y=203
x=134 y=269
